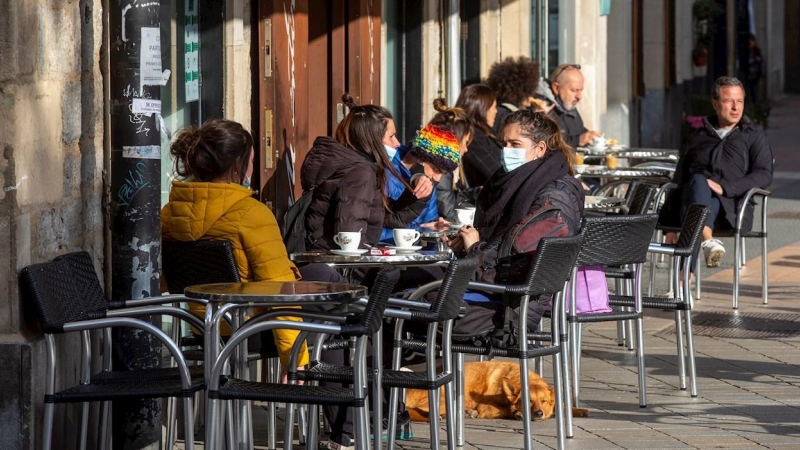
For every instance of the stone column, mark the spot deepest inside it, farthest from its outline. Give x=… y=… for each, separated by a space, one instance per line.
x=51 y=180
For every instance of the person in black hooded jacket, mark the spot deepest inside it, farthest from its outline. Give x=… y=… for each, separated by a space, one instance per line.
x=348 y=176
x=720 y=163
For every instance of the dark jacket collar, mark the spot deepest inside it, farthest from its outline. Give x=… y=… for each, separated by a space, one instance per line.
x=710 y=124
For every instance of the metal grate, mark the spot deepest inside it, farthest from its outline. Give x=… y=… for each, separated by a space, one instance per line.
x=743 y=325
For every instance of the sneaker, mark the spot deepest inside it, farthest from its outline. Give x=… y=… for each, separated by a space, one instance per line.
x=403 y=428
x=713 y=252
x=334 y=446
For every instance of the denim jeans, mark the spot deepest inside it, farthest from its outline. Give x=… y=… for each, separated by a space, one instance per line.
x=698 y=191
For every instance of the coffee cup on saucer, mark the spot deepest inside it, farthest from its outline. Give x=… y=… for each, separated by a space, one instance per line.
x=599 y=142
x=405 y=237
x=348 y=240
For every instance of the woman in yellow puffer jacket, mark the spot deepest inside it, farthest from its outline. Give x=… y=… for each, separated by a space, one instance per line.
x=215 y=203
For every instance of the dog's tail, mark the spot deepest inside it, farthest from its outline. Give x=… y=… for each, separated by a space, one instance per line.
x=418 y=415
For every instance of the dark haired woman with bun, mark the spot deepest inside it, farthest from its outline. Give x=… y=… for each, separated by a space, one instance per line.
x=451 y=184
x=214 y=202
x=483 y=159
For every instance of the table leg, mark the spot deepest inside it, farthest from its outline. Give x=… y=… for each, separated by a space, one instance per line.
x=211 y=350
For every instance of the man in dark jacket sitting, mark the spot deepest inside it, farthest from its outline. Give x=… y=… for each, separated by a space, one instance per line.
x=720 y=162
x=564 y=90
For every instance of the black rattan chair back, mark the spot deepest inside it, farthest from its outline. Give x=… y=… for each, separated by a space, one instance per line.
x=616 y=240
x=641 y=197
x=451 y=294
x=199 y=262
x=62 y=294
x=378 y=300
x=692 y=230
x=550 y=266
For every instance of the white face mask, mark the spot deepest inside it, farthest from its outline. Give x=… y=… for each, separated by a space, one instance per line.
x=513 y=158
x=391 y=151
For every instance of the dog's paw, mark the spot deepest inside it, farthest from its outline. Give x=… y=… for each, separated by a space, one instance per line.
x=580 y=412
x=471 y=413
x=518 y=415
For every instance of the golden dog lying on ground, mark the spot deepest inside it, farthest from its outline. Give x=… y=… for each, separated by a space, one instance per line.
x=492 y=391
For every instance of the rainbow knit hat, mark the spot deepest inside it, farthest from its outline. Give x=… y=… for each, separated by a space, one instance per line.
x=438 y=147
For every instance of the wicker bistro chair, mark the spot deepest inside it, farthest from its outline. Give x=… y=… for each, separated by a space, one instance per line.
x=444 y=309
x=611 y=241
x=368 y=322
x=543 y=272
x=686 y=248
x=67 y=297
x=740 y=258
x=199 y=262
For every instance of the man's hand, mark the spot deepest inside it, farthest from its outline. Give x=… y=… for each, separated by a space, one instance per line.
x=715 y=187
x=423 y=187
x=671 y=238
x=586 y=138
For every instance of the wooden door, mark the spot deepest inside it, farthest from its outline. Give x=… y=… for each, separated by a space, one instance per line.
x=310 y=53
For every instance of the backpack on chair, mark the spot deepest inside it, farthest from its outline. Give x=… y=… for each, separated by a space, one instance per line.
x=293 y=229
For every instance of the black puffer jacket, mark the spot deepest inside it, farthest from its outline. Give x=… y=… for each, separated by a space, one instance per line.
x=482 y=160
x=741 y=161
x=346 y=193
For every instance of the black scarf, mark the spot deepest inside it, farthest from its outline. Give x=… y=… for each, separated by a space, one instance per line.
x=508 y=196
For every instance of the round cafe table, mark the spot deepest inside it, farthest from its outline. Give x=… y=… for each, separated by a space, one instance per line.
x=237 y=297
x=408 y=259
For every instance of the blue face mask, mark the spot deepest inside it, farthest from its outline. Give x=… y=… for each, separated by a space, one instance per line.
x=246 y=183
x=513 y=158
x=391 y=151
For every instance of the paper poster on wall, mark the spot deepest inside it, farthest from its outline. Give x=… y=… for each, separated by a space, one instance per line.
x=150 y=58
x=191 y=51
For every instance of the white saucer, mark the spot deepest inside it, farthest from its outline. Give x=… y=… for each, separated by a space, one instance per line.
x=455 y=226
x=356 y=252
x=595 y=147
x=409 y=249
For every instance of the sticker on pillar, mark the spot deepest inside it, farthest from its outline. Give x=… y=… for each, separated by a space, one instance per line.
x=191 y=52
x=150 y=73
x=142 y=152
x=146 y=106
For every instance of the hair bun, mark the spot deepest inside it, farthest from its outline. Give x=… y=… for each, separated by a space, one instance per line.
x=440 y=104
x=347 y=99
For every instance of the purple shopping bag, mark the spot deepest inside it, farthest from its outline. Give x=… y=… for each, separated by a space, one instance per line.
x=591 y=290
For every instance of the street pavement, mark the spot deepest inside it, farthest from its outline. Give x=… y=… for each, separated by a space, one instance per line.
x=748 y=361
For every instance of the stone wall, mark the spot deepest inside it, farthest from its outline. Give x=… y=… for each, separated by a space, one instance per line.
x=51 y=173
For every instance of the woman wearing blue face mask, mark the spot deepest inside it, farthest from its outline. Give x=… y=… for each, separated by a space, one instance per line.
x=534 y=195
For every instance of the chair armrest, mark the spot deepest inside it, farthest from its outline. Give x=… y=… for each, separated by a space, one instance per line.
x=129 y=322
x=142 y=311
x=763 y=193
x=662 y=249
x=159 y=300
x=487 y=287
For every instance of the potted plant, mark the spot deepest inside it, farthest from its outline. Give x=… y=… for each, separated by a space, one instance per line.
x=703 y=12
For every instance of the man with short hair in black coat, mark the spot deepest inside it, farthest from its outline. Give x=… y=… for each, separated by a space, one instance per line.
x=722 y=161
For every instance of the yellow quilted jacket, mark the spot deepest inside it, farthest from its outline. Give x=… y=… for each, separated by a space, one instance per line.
x=217 y=211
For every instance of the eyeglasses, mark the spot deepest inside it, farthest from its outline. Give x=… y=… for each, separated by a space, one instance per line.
x=563 y=68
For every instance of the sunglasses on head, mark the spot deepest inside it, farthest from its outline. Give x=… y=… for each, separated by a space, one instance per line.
x=564 y=68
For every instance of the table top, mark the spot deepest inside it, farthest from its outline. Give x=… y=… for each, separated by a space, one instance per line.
x=662 y=154
x=597 y=202
x=276 y=292
x=411 y=258
x=624 y=172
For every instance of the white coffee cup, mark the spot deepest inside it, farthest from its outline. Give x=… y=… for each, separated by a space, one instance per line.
x=405 y=237
x=465 y=215
x=348 y=240
x=599 y=141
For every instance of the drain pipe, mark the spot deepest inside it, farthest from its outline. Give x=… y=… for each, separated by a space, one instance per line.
x=453 y=49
